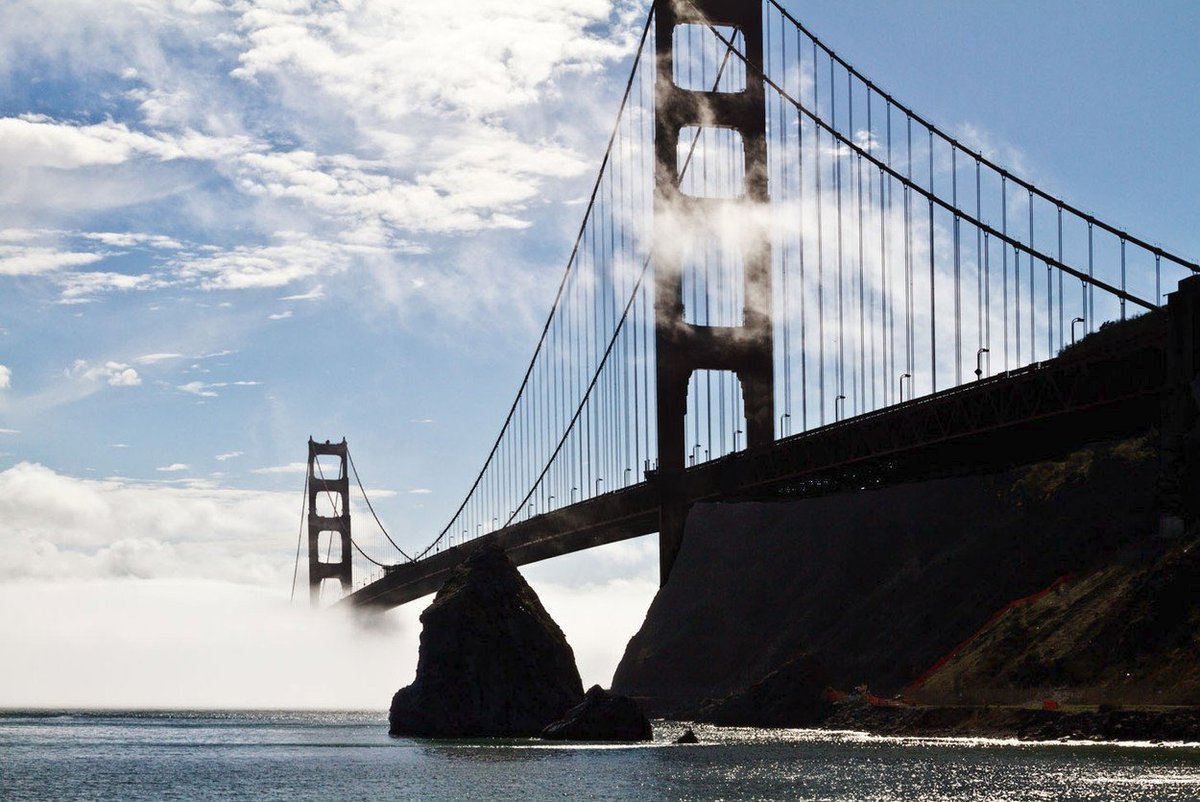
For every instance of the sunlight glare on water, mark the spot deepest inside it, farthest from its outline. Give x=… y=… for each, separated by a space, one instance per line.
x=302 y=756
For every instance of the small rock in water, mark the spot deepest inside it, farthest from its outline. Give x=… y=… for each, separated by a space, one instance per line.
x=688 y=737
x=601 y=716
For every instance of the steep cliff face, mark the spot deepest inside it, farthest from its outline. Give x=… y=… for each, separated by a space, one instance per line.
x=876 y=586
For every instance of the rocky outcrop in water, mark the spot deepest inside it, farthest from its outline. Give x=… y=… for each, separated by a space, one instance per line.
x=492 y=662
x=688 y=737
x=601 y=716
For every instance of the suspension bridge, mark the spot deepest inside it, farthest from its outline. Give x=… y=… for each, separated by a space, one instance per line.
x=787 y=282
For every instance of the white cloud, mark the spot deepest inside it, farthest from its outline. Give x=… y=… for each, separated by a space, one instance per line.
x=5 y=377
x=503 y=53
x=174 y=467
x=34 y=140
x=35 y=261
x=206 y=389
x=176 y=575
x=314 y=131
x=976 y=138
x=83 y=287
x=10 y=431
x=229 y=455
x=117 y=374
x=129 y=239
x=197 y=388
x=63 y=527
x=315 y=294
x=291 y=467
x=294 y=258
x=480 y=185
x=280 y=315
x=152 y=359
x=419 y=491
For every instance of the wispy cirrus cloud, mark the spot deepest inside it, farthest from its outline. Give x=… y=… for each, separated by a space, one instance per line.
x=208 y=389
x=87 y=286
x=317 y=293
x=155 y=358
x=291 y=467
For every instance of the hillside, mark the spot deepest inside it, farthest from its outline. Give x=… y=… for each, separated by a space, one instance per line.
x=1124 y=634
x=771 y=602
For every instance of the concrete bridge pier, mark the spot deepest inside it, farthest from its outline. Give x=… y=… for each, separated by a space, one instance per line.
x=1179 y=476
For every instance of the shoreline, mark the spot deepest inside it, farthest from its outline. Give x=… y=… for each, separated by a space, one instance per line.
x=1174 y=725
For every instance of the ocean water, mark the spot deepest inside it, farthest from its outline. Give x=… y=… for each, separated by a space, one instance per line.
x=333 y=756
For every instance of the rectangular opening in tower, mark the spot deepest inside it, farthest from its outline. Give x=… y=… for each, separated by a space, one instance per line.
x=714 y=283
x=715 y=424
x=329 y=545
x=711 y=162
x=327 y=466
x=328 y=504
x=703 y=61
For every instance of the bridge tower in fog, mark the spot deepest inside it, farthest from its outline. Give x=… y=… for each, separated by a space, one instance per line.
x=684 y=225
x=337 y=490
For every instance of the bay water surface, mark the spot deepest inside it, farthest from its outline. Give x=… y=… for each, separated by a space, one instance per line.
x=48 y=755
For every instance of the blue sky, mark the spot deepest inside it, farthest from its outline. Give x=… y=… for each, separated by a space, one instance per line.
x=225 y=226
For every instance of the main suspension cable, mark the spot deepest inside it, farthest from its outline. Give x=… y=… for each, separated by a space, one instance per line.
x=954 y=143
x=923 y=192
x=367 y=499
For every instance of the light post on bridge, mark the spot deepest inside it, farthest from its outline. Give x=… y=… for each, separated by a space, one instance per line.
x=1073 y=322
x=574 y=490
x=626 y=477
x=737 y=433
x=782 y=429
x=903 y=376
x=979 y=362
x=836 y=415
x=599 y=479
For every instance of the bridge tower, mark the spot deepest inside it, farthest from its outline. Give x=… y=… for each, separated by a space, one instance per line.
x=682 y=221
x=338 y=486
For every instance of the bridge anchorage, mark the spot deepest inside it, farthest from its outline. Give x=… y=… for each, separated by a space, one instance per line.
x=788 y=283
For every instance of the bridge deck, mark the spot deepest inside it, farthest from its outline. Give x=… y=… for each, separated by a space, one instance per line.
x=1087 y=394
